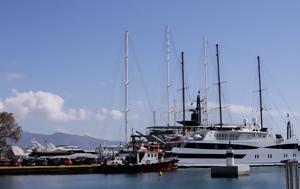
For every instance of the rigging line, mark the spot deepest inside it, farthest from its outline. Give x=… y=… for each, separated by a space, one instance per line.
x=117 y=65
x=163 y=70
x=272 y=118
x=226 y=107
x=270 y=99
x=176 y=52
x=254 y=98
x=241 y=51
x=176 y=72
x=164 y=93
x=141 y=74
x=281 y=95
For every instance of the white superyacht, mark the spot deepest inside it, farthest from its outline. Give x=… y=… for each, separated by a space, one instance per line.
x=198 y=145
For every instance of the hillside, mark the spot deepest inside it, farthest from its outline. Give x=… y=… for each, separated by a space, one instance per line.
x=84 y=142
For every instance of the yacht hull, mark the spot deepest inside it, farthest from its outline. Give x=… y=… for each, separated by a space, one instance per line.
x=253 y=153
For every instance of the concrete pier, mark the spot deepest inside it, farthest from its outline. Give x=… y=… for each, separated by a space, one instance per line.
x=230 y=169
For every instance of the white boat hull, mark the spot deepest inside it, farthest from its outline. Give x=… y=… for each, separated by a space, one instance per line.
x=264 y=153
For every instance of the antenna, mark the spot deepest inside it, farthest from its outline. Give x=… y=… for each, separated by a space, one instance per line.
x=168 y=71
x=126 y=84
x=289 y=128
x=198 y=108
x=183 y=92
x=260 y=96
x=219 y=86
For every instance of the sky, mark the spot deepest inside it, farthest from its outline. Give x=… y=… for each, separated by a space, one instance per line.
x=62 y=62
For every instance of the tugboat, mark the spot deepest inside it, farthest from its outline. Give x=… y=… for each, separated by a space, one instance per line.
x=138 y=157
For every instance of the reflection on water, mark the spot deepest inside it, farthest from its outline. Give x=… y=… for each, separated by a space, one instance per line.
x=261 y=177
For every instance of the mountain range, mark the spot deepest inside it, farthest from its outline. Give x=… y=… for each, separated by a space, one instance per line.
x=83 y=142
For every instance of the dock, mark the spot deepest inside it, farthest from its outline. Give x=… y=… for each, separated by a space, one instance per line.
x=62 y=169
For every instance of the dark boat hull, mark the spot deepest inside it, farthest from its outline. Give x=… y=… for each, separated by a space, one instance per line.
x=47 y=170
x=156 y=167
x=88 y=169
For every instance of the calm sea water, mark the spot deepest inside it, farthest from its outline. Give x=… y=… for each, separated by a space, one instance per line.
x=260 y=178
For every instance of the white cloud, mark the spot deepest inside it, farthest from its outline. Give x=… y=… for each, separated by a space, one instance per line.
x=241 y=109
x=13 y=76
x=234 y=108
x=137 y=103
x=61 y=130
x=104 y=114
x=133 y=116
x=47 y=104
x=116 y=114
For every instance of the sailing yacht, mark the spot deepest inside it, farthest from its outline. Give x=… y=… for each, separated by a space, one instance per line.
x=201 y=145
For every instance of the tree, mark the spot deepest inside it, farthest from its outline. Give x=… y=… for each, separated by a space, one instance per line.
x=10 y=132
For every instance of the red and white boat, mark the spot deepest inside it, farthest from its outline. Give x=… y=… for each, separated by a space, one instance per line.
x=145 y=158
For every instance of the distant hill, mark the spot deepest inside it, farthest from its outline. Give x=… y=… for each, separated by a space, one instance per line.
x=84 y=142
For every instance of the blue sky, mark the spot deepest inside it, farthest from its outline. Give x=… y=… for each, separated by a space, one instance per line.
x=61 y=62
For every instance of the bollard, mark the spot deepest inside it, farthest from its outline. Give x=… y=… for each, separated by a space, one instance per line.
x=296 y=175
x=292 y=175
x=287 y=176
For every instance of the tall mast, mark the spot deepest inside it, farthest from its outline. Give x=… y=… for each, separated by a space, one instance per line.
x=205 y=115
x=183 y=92
x=260 y=96
x=174 y=112
x=219 y=86
x=126 y=84
x=168 y=71
x=154 y=119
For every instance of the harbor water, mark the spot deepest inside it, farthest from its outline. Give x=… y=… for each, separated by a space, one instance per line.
x=260 y=177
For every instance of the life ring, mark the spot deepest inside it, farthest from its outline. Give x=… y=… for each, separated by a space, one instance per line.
x=147 y=161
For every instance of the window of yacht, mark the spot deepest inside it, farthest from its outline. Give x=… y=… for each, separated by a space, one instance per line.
x=269 y=155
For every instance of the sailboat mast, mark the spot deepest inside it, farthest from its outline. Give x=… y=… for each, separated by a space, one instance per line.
x=168 y=71
x=219 y=86
x=260 y=95
x=205 y=115
x=126 y=84
x=183 y=92
x=174 y=109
